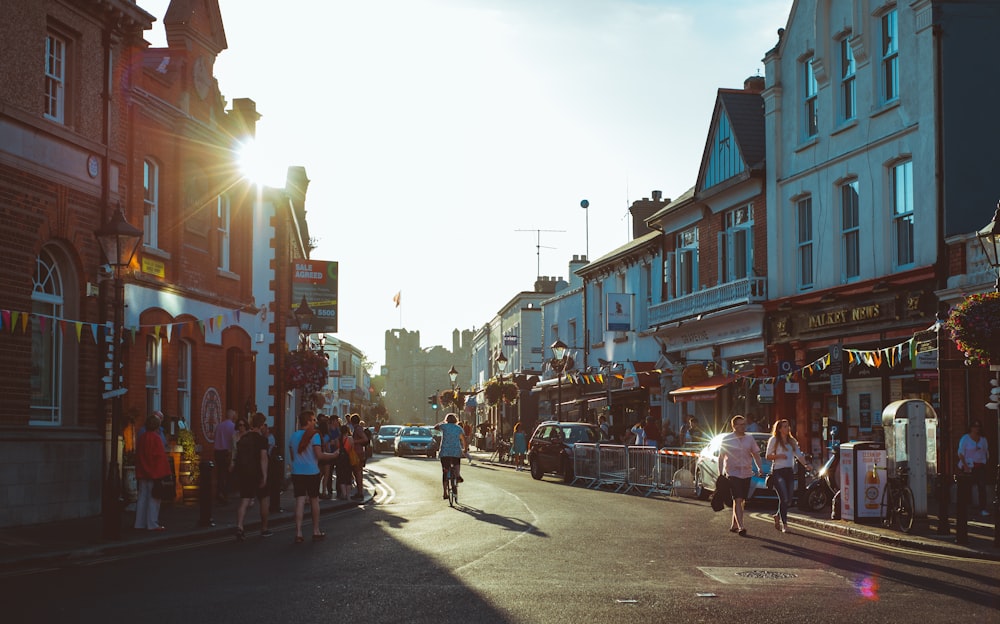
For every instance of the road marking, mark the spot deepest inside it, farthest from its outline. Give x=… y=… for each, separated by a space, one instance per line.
x=529 y=529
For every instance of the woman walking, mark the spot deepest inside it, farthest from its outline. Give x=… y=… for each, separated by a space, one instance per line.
x=783 y=451
x=520 y=446
x=306 y=451
x=151 y=464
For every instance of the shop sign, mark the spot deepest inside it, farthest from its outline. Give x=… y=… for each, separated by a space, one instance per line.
x=765 y=393
x=844 y=316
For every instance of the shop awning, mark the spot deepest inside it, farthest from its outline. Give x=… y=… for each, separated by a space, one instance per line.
x=702 y=391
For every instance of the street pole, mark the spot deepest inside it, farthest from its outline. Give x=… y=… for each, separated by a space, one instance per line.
x=559 y=365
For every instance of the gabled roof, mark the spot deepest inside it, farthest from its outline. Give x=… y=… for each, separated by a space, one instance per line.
x=744 y=111
x=198 y=19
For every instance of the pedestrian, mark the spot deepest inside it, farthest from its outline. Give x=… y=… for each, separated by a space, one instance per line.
x=783 y=451
x=973 y=453
x=242 y=427
x=326 y=469
x=223 y=454
x=652 y=431
x=453 y=446
x=520 y=446
x=361 y=443
x=738 y=461
x=691 y=433
x=752 y=426
x=638 y=434
x=306 y=451
x=251 y=474
x=669 y=436
x=344 y=464
x=602 y=422
x=151 y=464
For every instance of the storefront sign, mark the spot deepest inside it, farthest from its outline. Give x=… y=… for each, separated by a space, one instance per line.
x=316 y=280
x=845 y=316
x=765 y=393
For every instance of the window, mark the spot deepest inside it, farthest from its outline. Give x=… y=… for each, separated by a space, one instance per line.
x=736 y=244
x=55 y=78
x=901 y=182
x=811 y=89
x=47 y=343
x=805 y=242
x=154 y=373
x=890 y=56
x=686 y=262
x=848 y=101
x=184 y=381
x=223 y=231
x=850 y=229
x=150 y=203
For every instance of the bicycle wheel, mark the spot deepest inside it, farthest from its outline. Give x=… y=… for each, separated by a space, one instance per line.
x=904 y=510
x=885 y=509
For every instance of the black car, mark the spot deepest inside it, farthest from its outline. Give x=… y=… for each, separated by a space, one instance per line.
x=551 y=447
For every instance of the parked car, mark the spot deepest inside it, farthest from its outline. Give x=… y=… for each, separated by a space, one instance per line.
x=414 y=441
x=706 y=469
x=551 y=447
x=385 y=438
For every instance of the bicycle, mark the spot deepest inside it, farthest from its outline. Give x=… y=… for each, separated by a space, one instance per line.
x=501 y=453
x=897 y=501
x=452 y=481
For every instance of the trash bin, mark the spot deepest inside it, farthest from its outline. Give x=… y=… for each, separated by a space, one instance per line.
x=862 y=479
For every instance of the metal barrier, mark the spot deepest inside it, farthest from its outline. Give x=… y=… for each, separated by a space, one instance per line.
x=668 y=471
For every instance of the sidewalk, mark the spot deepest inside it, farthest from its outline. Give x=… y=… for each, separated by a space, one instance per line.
x=924 y=535
x=42 y=544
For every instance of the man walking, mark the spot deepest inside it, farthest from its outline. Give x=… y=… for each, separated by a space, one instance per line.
x=224 y=454
x=251 y=474
x=739 y=458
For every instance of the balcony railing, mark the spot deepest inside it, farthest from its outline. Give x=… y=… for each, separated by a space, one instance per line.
x=749 y=290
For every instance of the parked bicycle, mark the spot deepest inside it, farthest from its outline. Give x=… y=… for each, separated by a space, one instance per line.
x=897 y=501
x=501 y=453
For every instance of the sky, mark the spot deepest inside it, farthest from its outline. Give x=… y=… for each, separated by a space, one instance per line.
x=449 y=143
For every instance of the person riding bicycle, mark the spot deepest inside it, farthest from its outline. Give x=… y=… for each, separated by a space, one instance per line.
x=453 y=448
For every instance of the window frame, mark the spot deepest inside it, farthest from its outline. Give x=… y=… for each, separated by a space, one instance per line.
x=889 y=55
x=55 y=77
x=810 y=100
x=848 y=82
x=850 y=229
x=185 y=375
x=150 y=203
x=154 y=374
x=47 y=348
x=686 y=273
x=804 y=243
x=901 y=211
x=224 y=231
x=733 y=231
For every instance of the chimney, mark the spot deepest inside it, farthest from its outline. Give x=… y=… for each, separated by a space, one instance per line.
x=754 y=84
x=644 y=209
x=578 y=262
x=245 y=116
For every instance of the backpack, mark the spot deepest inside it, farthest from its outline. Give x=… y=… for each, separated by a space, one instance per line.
x=248 y=454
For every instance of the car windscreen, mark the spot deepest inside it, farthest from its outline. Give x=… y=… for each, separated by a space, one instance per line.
x=416 y=431
x=573 y=435
x=388 y=431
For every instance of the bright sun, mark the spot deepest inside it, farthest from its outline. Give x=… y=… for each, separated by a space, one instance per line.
x=257 y=164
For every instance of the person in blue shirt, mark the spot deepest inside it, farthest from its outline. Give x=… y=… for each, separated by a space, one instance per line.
x=453 y=447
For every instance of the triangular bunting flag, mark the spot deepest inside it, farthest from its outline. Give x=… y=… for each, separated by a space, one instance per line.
x=79 y=329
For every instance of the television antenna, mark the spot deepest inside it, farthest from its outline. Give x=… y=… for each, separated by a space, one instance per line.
x=538 y=248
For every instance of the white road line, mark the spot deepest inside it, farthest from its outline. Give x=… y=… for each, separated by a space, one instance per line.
x=534 y=521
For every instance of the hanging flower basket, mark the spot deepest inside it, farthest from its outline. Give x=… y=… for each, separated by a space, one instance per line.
x=975 y=328
x=452 y=398
x=306 y=370
x=496 y=392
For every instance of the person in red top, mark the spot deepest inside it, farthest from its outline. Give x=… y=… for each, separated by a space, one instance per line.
x=151 y=463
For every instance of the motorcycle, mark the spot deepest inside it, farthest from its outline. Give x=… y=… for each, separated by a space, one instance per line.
x=822 y=489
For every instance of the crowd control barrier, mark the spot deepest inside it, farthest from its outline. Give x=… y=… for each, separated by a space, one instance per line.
x=647 y=470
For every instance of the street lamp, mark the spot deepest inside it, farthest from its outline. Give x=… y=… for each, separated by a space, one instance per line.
x=453 y=376
x=118 y=240
x=501 y=362
x=989 y=238
x=559 y=365
x=304 y=316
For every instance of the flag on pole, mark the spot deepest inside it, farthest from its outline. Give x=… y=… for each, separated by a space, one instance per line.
x=397 y=297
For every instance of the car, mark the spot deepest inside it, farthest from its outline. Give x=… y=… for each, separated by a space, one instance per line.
x=385 y=437
x=551 y=447
x=706 y=469
x=414 y=441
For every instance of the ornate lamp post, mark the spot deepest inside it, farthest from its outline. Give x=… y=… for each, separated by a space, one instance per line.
x=304 y=316
x=989 y=238
x=501 y=362
x=119 y=240
x=453 y=376
x=559 y=365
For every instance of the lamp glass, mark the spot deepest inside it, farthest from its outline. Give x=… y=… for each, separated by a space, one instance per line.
x=118 y=239
x=558 y=349
x=304 y=315
x=989 y=238
x=502 y=362
x=453 y=375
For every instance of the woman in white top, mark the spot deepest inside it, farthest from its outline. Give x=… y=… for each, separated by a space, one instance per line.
x=640 y=433
x=783 y=451
x=973 y=452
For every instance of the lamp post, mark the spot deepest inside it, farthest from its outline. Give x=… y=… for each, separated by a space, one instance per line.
x=118 y=240
x=559 y=365
x=453 y=376
x=989 y=238
x=304 y=316
x=501 y=362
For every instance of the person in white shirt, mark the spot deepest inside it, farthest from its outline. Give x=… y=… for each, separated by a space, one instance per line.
x=783 y=451
x=973 y=453
x=739 y=460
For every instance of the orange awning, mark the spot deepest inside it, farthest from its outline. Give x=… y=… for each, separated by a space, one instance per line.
x=702 y=391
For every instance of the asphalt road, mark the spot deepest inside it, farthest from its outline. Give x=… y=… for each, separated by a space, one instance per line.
x=516 y=550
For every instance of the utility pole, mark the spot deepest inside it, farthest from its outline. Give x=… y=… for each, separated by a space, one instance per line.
x=538 y=248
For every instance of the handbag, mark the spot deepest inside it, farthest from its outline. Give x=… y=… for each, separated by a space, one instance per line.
x=769 y=481
x=164 y=488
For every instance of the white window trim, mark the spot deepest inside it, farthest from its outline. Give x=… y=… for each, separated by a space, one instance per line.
x=224 y=214
x=55 y=77
x=901 y=213
x=804 y=245
x=51 y=297
x=889 y=57
x=848 y=82
x=184 y=375
x=810 y=100
x=151 y=204
x=154 y=373
x=848 y=231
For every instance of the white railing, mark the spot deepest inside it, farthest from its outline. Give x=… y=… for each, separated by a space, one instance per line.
x=668 y=471
x=749 y=290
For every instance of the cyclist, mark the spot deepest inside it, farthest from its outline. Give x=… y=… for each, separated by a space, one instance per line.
x=453 y=448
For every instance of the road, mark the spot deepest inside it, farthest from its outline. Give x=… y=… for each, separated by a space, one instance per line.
x=516 y=550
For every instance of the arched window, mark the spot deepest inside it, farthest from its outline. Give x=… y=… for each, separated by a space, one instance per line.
x=53 y=359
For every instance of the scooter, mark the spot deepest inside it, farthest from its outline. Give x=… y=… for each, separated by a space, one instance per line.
x=823 y=488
